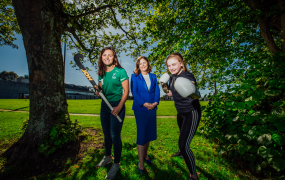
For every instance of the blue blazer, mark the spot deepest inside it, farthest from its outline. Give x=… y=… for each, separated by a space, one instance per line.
x=141 y=94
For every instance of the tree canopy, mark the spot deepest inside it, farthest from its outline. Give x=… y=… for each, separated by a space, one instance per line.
x=8 y=75
x=217 y=38
x=90 y=25
x=9 y=25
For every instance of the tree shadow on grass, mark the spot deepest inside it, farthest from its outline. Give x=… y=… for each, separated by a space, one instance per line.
x=18 y=109
x=159 y=169
x=59 y=161
x=78 y=164
x=238 y=168
x=29 y=168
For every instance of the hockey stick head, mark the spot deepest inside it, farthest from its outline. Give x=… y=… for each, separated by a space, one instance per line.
x=77 y=60
x=82 y=68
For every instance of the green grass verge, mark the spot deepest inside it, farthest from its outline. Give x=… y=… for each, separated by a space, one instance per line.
x=209 y=163
x=15 y=104
x=165 y=108
x=10 y=124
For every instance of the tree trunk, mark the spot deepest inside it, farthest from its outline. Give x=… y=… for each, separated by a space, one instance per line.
x=41 y=27
x=215 y=87
x=265 y=30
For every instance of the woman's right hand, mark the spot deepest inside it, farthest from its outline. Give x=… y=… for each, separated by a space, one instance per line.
x=169 y=94
x=147 y=105
x=97 y=93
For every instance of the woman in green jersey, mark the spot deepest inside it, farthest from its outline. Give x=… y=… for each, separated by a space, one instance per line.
x=114 y=82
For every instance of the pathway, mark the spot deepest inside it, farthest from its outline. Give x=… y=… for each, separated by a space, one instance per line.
x=74 y=114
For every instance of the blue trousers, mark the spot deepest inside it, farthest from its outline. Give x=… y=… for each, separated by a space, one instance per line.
x=112 y=129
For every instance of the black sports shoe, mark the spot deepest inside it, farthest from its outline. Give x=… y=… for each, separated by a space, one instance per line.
x=179 y=154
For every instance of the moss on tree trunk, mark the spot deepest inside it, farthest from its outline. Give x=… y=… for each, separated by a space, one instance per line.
x=41 y=29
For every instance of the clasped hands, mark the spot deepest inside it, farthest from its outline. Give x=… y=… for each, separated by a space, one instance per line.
x=150 y=106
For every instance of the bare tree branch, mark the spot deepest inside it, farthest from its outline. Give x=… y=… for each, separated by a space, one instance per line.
x=72 y=31
x=127 y=34
x=93 y=11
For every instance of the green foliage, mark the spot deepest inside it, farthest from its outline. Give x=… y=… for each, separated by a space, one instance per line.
x=61 y=134
x=215 y=38
x=91 y=26
x=9 y=25
x=249 y=120
x=8 y=75
x=25 y=123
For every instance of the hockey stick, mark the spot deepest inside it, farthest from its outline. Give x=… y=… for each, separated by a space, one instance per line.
x=82 y=68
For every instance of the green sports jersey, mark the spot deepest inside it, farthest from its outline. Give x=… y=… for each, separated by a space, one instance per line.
x=112 y=83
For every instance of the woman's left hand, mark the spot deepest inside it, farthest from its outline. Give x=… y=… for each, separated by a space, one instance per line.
x=153 y=105
x=116 y=110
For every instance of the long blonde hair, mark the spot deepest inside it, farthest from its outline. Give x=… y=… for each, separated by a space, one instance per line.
x=178 y=57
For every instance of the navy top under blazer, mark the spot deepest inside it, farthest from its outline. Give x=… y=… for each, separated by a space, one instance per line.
x=141 y=94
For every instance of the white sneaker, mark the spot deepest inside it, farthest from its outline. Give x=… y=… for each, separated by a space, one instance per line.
x=112 y=172
x=104 y=161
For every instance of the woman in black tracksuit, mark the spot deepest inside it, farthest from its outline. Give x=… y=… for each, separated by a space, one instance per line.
x=188 y=110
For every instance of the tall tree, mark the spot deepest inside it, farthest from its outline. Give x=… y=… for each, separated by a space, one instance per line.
x=217 y=38
x=43 y=24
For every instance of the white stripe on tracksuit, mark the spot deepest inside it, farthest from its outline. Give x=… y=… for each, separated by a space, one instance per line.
x=188 y=128
x=189 y=139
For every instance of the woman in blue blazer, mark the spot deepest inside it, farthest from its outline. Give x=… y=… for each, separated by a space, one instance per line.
x=146 y=95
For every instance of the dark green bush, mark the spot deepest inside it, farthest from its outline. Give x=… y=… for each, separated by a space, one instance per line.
x=248 y=121
x=61 y=134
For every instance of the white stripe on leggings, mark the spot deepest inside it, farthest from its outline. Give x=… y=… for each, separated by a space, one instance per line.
x=189 y=139
x=192 y=132
x=187 y=147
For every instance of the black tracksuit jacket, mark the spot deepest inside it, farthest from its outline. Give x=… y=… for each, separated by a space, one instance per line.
x=183 y=105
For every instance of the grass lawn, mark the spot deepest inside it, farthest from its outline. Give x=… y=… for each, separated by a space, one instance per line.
x=165 y=108
x=10 y=129
x=209 y=163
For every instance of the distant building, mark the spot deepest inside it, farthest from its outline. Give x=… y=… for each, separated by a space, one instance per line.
x=23 y=80
x=19 y=89
x=79 y=92
x=13 y=89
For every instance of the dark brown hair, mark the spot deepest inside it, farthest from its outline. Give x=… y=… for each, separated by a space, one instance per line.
x=137 y=70
x=102 y=66
x=178 y=57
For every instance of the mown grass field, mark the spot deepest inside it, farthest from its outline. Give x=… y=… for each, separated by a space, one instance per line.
x=209 y=163
x=165 y=108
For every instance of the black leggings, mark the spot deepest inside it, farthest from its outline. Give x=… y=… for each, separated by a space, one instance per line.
x=188 y=124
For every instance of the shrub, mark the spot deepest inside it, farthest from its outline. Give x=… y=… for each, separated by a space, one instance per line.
x=61 y=134
x=248 y=121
